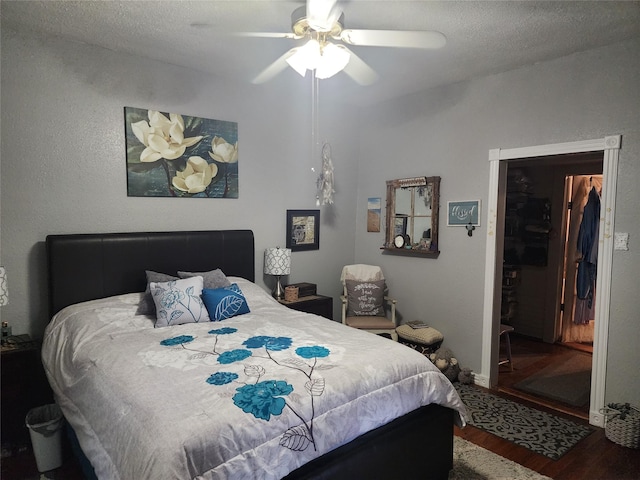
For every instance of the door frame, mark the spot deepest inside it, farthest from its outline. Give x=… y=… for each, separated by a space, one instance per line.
x=610 y=147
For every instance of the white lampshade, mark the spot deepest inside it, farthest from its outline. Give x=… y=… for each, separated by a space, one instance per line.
x=333 y=60
x=277 y=261
x=4 y=287
x=326 y=61
x=306 y=57
x=298 y=62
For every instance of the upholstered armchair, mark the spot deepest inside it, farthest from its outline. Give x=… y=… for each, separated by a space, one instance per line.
x=365 y=302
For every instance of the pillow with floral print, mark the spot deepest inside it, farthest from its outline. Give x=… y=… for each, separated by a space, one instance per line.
x=146 y=305
x=178 y=302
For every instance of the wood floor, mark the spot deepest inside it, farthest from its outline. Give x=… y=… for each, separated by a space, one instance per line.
x=594 y=458
x=530 y=356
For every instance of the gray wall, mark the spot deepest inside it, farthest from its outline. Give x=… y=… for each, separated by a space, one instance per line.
x=63 y=170
x=449 y=131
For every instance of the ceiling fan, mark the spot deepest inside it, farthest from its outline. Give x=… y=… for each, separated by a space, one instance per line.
x=321 y=23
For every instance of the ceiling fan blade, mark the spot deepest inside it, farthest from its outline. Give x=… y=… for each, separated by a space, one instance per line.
x=322 y=15
x=394 y=38
x=275 y=68
x=358 y=70
x=268 y=35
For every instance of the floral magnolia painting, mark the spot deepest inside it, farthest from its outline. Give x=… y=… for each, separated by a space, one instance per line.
x=171 y=155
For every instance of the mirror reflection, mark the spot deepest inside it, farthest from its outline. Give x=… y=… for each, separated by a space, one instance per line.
x=412 y=216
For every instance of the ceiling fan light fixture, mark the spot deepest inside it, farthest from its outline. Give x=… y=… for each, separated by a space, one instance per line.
x=326 y=60
x=332 y=60
x=298 y=62
x=306 y=57
x=323 y=21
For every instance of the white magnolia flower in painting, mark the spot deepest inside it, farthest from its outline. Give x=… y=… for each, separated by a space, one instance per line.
x=163 y=137
x=224 y=152
x=196 y=176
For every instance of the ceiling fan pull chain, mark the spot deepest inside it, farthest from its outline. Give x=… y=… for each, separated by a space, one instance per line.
x=314 y=118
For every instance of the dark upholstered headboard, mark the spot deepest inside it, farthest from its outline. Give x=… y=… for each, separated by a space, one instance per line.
x=90 y=266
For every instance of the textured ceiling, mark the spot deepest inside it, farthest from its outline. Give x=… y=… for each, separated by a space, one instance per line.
x=483 y=37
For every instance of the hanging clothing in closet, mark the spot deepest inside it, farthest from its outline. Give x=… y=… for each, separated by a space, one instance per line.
x=587 y=248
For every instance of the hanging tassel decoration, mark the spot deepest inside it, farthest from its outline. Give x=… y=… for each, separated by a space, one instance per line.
x=325 y=180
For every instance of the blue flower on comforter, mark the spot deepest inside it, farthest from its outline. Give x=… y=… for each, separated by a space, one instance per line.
x=313 y=352
x=270 y=343
x=222 y=378
x=223 y=331
x=179 y=340
x=233 y=356
x=263 y=399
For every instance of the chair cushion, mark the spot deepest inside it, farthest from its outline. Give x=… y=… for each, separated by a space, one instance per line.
x=424 y=336
x=361 y=272
x=365 y=322
x=365 y=298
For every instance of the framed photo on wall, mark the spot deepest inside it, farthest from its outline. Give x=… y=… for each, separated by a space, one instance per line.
x=303 y=230
x=373 y=214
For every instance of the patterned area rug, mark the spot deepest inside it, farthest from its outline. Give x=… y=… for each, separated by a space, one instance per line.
x=540 y=432
x=471 y=462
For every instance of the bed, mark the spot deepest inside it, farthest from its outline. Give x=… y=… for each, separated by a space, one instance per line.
x=270 y=393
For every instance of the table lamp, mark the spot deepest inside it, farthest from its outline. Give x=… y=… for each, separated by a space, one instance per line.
x=277 y=261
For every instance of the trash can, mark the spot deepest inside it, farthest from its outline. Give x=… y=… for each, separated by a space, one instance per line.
x=45 y=427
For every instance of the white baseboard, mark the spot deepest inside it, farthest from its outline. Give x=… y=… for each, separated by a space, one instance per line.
x=596 y=418
x=481 y=380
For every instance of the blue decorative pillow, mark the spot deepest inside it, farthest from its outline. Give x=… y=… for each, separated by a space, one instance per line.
x=226 y=302
x=178 y=301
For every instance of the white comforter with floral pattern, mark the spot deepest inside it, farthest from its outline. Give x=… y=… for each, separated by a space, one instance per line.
x=254 y=396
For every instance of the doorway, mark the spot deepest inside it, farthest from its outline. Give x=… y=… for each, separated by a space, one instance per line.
x=552 y=338
x=498 y=158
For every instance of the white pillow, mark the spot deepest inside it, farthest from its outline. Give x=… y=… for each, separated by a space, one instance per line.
x=178 y=302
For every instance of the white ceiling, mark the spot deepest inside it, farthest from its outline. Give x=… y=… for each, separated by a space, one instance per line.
x=483 y=37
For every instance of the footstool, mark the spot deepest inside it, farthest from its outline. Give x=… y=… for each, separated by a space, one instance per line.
x=425 y=340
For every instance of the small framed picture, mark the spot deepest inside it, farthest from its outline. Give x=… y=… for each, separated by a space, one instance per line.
x=303 y=230
x=373 y=214
x=460 y=214
x=400 y=225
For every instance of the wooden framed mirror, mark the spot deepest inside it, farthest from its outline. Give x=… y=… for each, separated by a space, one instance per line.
x=413 y=207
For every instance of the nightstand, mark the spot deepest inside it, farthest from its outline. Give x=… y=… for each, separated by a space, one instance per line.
x=24 y=386
x=318 y=304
